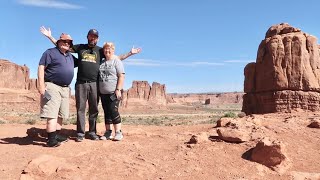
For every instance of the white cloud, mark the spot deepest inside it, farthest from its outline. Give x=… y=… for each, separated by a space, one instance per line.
x=142 y=62
x=49 y=4
x=150 y=62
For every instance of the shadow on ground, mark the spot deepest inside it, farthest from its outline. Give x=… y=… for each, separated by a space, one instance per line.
x=35 y=136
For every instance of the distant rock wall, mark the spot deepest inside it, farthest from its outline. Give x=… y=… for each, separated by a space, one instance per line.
x=286 y=74
x=206 y=98
x=14 y=76
x=142 y=95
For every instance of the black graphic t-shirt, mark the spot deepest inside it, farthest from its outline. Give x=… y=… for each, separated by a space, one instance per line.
x=88 y=62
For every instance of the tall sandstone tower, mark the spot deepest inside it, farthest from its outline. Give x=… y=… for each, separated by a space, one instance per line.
x=286 y=74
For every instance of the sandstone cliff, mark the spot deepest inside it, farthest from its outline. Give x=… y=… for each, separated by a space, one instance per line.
x=286 y=74
x=15 y=76
x=142 y=95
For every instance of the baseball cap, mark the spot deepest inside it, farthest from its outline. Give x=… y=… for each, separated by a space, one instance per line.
x=94 y=32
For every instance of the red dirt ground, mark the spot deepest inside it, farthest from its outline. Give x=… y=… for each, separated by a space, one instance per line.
x=160 y=152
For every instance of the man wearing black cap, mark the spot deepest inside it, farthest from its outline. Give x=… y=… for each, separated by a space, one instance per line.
x=89 y=56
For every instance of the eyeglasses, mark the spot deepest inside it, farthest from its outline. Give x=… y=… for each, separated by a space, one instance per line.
x=66 y=41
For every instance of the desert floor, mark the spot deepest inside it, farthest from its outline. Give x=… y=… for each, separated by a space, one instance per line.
x=160 y=152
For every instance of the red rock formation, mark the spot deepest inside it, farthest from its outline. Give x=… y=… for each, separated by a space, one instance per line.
x=158 y=94
x=142 y=95
x=15 y=76
x=286 y=75
x=139 y=89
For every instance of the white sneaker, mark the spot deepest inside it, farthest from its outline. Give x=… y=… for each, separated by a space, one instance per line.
x=118 y=136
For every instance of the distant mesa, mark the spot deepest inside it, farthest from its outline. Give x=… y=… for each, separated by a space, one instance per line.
x=286 y=74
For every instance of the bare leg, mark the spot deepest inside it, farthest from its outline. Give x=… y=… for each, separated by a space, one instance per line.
x=51 y=125
x=59 y=123
x=117 y=127
x=108 y=127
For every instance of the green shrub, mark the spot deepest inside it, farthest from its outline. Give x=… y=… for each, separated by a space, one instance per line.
x=3 y=121
x=99 y=119
x=71 y=120
x=31 y=121
x=123 y=119
x=230 y=115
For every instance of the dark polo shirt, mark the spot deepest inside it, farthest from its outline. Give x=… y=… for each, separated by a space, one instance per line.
x=58 y=67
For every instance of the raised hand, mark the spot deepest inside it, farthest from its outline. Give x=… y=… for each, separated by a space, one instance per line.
x=135 y=50
x=46 y=32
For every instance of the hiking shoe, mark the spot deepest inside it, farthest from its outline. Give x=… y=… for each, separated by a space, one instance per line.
x=79 y=138
x=53 y=143
x=107 y=135
x=93 y=137
x=118 y=136
x=61 y=138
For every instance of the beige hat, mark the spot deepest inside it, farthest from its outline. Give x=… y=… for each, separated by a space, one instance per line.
x=65 y=37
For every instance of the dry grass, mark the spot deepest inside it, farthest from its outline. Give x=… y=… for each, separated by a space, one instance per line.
x=173 y=115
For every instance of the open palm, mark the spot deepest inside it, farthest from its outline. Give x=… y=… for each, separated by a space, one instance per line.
x=44 y=31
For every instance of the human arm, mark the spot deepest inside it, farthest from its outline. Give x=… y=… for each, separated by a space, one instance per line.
x=119 y=86
x=47 y=33
x=132 y=52
x=75 y=60
x=41 y=87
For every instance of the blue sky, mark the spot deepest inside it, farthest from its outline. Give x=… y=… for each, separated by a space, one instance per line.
x=191 y=46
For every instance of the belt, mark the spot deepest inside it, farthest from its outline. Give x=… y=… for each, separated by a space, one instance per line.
x=82 y=82
x=62 y=85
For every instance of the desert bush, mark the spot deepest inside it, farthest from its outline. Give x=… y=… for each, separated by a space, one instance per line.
x=31 y=121
x=3 y=121
x=71 y=120
x=123 y=119
x=99 y=119
x=230 y=115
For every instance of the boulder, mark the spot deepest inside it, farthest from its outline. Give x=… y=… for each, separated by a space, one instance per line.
x=268 y=152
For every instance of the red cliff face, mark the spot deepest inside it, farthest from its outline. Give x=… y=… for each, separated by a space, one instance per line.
x=286 y=74
x=15 y=76
x=141 y=94
x=17 y=90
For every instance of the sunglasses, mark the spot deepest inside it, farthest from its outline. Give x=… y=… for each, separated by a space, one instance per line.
x=66 y=41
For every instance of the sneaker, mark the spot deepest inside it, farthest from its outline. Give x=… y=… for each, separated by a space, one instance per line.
x=61 y=138
x=53 y=143
x=93 y=137
x=79 y=138
x=118 y=136
x=107 y=135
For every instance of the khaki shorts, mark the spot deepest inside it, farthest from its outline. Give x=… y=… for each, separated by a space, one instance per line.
x=58 y=105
